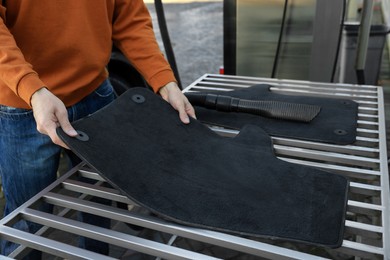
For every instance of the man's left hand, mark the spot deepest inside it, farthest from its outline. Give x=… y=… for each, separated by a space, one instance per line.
x=173 y=95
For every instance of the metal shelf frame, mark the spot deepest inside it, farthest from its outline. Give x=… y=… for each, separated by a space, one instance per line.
x=365 y=163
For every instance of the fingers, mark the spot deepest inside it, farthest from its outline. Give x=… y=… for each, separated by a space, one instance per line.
x=52 y=133
x=65 y=124
x=190 y=110
x=184 y=117
x=172 y=94
x=50 y=113
x=49 y=127
x=185 y=110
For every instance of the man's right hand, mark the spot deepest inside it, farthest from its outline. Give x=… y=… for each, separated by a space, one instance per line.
x=50 y=113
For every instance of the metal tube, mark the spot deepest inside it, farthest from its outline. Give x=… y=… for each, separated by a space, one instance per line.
x=363 y=37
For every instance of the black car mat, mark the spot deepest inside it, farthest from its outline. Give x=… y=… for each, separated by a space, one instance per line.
x=191 y=175
x=336 y=123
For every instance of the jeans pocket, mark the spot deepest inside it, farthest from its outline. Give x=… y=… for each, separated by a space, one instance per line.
x=15 y=113
x=104 y=90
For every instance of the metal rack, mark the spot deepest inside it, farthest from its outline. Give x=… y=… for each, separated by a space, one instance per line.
x=364 y=163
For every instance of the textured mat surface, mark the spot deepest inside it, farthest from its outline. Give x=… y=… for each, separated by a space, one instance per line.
x=336 y=123
x=189 y=174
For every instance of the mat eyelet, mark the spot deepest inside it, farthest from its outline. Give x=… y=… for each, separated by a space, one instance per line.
x=137 y=98
x=340 y=132
x=82 y=136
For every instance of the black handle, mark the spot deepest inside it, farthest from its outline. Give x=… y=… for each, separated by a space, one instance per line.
x=272 y=109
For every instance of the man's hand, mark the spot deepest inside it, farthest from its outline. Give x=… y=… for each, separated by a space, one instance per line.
x=50 y=113
x=172 y=94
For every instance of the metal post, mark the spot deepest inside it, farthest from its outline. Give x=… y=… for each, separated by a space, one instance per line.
x=363 y=37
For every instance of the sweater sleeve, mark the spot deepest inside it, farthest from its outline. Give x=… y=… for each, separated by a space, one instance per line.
x=15 y=71
x=133 y=34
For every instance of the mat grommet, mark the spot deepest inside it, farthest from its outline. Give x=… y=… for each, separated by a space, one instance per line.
x=82 y=136
x=340 y=132
x=138 y=98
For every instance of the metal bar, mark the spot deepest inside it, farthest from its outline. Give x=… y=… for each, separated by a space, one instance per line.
x=44 y=229
x=55 y=199
x=207 y=236
x=363 y=226
x=359 y=247
x=375 y=141
x=94 y=190
x=327 y=156
x=31 y=201
x=87 y=173
x=367 y=109
x=350 y=171
x=343 y=149
x=231 y=133
x=366 y=208
x=362 y=131
x=385 y=195
x=110 y=236
x=170 y=242
x=363 y=37
x=47 y=245
x=366 y=189
x=369 y=124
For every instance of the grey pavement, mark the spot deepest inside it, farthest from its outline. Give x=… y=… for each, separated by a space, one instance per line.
x=196 y=33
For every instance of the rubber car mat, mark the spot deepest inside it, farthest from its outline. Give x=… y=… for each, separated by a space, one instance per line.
x=336 y=123
x=191 y=175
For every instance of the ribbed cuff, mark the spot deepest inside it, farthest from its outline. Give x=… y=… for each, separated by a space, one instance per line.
x=27 y=86
x=161 y=79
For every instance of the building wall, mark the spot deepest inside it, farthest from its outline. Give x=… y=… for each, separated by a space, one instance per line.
x=386 y=15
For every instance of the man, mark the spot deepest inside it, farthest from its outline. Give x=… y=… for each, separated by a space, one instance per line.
x=53 y=57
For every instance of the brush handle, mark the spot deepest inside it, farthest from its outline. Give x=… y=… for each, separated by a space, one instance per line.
x=272 y=109
x=277 y=109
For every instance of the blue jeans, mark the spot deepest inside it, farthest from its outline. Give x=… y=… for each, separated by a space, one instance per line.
x=29 y=160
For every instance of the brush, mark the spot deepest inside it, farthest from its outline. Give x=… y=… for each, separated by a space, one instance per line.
x=272 y=109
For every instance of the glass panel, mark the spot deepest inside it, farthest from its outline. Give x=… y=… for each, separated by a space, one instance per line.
x=258 y=29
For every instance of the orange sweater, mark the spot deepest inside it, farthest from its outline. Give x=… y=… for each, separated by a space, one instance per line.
x=65 y=45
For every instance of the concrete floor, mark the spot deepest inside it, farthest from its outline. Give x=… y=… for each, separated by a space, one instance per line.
x=196 y=33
